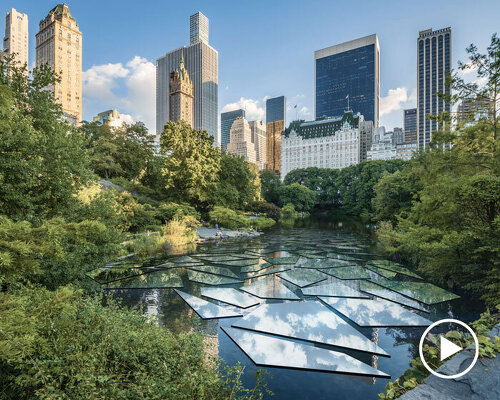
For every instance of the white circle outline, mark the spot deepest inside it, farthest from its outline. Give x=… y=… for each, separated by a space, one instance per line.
x=444 y=321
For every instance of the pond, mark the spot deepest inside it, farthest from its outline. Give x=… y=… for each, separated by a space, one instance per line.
x=298 y=300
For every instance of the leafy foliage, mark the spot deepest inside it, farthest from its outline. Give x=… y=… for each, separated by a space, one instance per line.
x=271 y=185
x=301 y=197
x=227 y=218
x=191 y=163
x=417 y=372
x=62 y=345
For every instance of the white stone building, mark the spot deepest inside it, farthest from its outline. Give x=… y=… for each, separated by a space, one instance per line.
x=336 y=142
x=241 y=140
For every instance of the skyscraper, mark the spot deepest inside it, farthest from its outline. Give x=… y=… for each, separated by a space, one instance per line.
x=241 y=140
x=348 y=74
x=410 y=125
x=181 y=95
x=226 y=121
x=275 y=125
x=198 y=28
x=15 y=41
x=433 y=65
x=59 y=45
x=201 y=62
x=258 y=129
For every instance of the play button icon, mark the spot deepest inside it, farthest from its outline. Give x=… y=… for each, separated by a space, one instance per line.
x=447 y=348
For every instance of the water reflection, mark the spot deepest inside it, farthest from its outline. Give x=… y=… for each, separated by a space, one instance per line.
x=307 y=320
x=205 y=309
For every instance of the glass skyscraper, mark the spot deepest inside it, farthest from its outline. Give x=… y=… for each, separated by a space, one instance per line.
x=348 y=74
x=433 y=64
x=410 y=125
x=276 y=109
x=226 y=121
x=201 y=62
x=275 y=125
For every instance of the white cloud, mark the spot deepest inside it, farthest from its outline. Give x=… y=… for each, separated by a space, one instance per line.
x=393 y=101
x=138 y=76
x=392 y=106
x=254 y=109
x=127 y=118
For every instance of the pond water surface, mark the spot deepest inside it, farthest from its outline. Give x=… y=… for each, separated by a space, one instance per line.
x=316 y=244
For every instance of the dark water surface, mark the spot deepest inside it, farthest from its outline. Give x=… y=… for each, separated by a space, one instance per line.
x=315 y=234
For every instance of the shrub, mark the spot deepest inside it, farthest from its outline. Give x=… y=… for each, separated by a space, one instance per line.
x=180 y=231
x=270 y=209
x=169 y=211
x=227 y=218
x=288 y=211
x=66 y=346
x=147 y=245
x=261 y=223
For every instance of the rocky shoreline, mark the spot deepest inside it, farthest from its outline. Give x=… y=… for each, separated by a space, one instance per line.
x=207 y=234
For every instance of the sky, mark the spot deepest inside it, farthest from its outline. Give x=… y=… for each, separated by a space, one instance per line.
x=266 y=47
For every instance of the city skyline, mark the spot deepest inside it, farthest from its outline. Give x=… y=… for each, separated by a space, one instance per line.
x=118 y=62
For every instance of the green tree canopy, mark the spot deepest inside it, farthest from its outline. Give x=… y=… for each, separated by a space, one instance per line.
x=191 y=162
x=301 y=197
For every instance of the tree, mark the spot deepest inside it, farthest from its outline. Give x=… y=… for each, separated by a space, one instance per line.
x=62 y=344
x=119 y=152
x=43 y=163
x=271 y=185
x=301 y=197
x=321 y=181
x=237 y=183
x=191 y=163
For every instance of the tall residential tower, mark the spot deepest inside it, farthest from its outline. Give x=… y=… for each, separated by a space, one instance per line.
x=433 y=65
x=410 y=125
x=59 y=45
x=15 y=41
x=275 y=125
x=201 y=63
x=346 y=76
x=226 y=121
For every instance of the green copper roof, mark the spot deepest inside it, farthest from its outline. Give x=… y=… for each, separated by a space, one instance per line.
x=322 y=127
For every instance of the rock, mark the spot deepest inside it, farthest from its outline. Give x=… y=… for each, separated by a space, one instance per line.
x=482 y=382
x=205 y=233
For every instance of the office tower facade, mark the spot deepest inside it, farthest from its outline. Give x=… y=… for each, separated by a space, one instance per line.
x=397 y=136
x=258 y=129
x=433 y=65
x=59 y=45
x=275 y=125
x=241 y=141
x=16 y=37
x=201 y=62
x=335 y=142
x=470 y=112
x=347 y=75
x=110 y=118
x=181 y=95
x=410 y=125
x=226 y=121
x=198 y=28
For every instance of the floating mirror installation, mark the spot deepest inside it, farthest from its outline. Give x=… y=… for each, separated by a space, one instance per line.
x=332 y=289
x=270 y=351
x=378 y=291
x=205 y=309
x=348 y=273
x=282 y=260
x=269 y=288
x=302 y=277
x=395 y=267
x=153 y=280
x=307 y=320
x=376 y=313
x=210 y=279
x=230 y=296
x=274 y=269
x=424 y=292
x=212 y=269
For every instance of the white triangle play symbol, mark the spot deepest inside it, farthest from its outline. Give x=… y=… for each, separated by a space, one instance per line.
x=448 y=348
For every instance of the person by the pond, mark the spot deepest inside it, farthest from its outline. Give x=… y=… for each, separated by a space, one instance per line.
x=217 y=227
